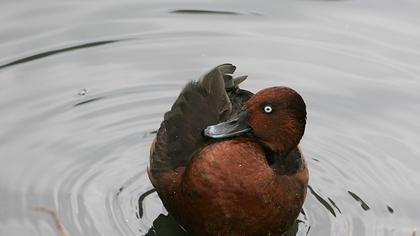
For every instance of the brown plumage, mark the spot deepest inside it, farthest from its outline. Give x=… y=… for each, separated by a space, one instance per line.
x=226 y=162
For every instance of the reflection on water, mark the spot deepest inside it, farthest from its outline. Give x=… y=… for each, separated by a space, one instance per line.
x=61 y=230
x=165 y=225
x=84 y=86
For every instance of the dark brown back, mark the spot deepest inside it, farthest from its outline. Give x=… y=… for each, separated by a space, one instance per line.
x=212 y=99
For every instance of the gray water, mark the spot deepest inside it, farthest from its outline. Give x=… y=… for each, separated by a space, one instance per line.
x=84 y=85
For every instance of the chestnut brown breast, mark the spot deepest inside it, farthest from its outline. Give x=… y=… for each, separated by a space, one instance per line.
x=229 y=189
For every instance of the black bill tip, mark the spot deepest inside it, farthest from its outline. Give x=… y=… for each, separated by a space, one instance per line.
x=230 y=128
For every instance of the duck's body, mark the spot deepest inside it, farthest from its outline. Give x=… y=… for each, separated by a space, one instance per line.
x=240 y=185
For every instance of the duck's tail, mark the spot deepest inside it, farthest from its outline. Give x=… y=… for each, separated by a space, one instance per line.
x=211 y=99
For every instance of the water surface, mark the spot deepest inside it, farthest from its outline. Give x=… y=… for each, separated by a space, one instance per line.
x=84 y=85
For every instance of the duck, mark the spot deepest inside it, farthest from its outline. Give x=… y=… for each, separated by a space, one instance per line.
x=226 y=161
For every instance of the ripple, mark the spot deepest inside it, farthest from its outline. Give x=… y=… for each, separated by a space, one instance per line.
x=210 y=12
x=322 y=201
x=194 y=11
x=141 y=199
x=363 y=204
x=57 y=51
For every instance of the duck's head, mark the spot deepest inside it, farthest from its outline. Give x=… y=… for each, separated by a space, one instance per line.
x=275 y=116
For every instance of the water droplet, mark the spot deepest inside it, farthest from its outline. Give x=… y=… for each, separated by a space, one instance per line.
x=83 y=92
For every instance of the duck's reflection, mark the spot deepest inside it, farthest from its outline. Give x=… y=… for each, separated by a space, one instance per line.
x=165 y=225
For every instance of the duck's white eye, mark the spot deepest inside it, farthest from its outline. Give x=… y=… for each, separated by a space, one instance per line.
x=268 y=109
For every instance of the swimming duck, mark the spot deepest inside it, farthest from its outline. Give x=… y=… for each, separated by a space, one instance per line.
x=227 y=162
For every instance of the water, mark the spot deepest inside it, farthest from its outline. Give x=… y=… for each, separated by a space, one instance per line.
x=83 y=85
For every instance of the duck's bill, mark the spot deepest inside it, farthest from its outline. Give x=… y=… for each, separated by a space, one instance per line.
x=236 y=126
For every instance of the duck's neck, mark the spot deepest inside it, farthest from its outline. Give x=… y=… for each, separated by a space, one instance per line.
x=285 y=163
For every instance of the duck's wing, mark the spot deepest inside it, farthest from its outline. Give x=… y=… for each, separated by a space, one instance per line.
x=211 y=99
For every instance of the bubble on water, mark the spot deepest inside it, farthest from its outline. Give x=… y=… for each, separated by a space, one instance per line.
x=83 y=92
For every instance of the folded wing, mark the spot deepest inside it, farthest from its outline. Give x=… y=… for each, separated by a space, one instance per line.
x=212 y=99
